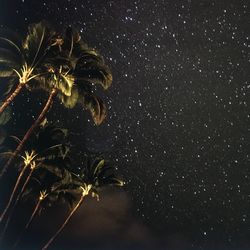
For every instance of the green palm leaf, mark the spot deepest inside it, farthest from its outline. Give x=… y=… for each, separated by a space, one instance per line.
x=96 y=107
x=94 y=72
x=37 y=41
x=11 y=40
x=69 y=101
x=8 y=60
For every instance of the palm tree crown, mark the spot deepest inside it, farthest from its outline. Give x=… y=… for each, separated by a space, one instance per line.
x=21 y=58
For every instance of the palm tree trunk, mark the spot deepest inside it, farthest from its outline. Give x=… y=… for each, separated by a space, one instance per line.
x=11 y=97
x=65 y=223
x=34 y=213
x=30 y=131
x=23 y=187
x=16 y=201
x=30 y=220
x=13 y=193
x=25 y=184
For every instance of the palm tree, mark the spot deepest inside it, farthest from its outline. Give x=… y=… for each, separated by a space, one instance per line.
x=21 y=59
x=49 y=143
x=42 y=195
x=70 y=76
x=61 y=190
x=27 y=160
x=92 y=177
x=89 y=69
x=28 y=133
x=74 y=72
x=55 y=185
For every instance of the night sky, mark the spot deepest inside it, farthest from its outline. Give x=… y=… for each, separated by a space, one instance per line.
x=177 y=126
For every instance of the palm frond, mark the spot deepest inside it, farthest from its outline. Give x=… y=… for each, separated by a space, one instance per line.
x=8 y=60
x=112 y=181
x=99 y=173
x=16 y=139
x=93 y=72
x=96 y=107
x=98 y=167
x=6 y=155
x=69 y=101
x=64 y=84
x=71 y=38
x=37 y=42
x=11 y=40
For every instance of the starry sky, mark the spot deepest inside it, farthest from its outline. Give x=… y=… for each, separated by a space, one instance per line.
x=178 y=118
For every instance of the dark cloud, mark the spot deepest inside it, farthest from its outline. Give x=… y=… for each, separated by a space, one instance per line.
x=108 y=222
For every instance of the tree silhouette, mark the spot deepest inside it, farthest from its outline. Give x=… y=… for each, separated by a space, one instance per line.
x=21 y=58
x=49 y=143
x=90 y=179
x=71 y=72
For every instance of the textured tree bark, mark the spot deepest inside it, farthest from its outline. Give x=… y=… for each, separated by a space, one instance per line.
x=11 y=97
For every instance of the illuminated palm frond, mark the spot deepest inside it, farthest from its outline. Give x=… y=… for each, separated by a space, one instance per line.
x=22 y=59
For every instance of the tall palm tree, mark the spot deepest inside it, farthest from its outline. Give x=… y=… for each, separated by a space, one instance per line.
x=54 y=186
x=27 y=160
x=21 y=59
x=74 y=70
x=90 y=179
x=49 y=143
x=71 y=72
x=61 y=190
x=28 y=134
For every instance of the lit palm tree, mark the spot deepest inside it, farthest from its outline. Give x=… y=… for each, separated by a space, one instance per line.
x=21 y=59
x=71 y=72
x=89 y=70
x=28 y=159
x=61 y=190
x=52 y=184
x=90 y=179
x=49 y=143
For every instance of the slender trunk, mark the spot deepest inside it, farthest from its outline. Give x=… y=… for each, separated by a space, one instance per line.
x=11 y=97
x=13 y=193
x=4 y=229
x=34 y=213
x=64 y=224
x=24 y=185
x=30 y=131
x=16 y=201
x=30 y=220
